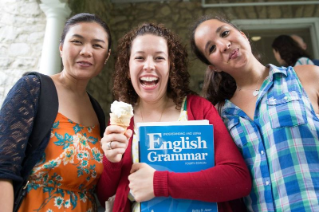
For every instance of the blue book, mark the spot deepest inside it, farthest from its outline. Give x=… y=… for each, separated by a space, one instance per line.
x=186 y=147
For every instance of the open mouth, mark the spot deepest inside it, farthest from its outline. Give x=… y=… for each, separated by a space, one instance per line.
x=149 y=81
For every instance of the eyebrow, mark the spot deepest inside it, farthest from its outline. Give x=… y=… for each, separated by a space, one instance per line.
x=217 y=31
x=80 y=36
x=157 y=52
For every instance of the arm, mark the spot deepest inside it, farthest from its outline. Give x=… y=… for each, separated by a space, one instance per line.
x=109 y=180
x=6 y=195
x=112 y=161
x=309 y=78
x=16 y=122
x=229 y=179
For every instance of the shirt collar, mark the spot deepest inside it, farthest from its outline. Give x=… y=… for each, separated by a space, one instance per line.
x=276 y=70
x=229 y=109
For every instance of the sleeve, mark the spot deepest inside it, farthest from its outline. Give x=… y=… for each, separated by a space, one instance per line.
x=109 y=180
x=114 y=178
x=229 y=179
x=304 y=61
x=16 y=122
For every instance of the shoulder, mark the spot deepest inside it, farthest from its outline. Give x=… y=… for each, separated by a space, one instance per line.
x=192 y=100
x=198 y=102
x=309 y=77
x=31 y=80
x=307 y=72
x=200 y=108
x=26 y=87
x=304 y=61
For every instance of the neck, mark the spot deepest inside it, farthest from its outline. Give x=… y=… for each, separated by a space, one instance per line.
x=151 y=111
x=252 y=78
x=77 y=87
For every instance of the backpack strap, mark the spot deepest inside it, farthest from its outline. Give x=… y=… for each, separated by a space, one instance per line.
x=48 y=106
x=100 y=114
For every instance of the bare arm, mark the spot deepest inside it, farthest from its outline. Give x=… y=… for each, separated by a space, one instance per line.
x=309 y=78
x=6 y=195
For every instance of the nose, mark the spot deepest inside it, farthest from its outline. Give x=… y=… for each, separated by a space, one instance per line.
x=86 y=51
x=224 y=45
x=149 y=64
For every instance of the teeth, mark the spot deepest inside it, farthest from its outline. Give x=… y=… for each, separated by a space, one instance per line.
x=149 y=79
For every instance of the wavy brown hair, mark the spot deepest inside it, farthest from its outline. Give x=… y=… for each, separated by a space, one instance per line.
x=218 y=86
x=178 y=82
x=289 y=49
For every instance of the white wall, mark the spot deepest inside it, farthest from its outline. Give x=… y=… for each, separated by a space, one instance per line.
x=22 y=27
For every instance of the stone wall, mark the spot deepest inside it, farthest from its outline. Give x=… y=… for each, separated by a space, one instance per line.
x=22 y=26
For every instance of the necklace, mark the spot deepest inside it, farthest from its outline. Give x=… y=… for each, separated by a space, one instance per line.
x=160 y=116
x=255 y=91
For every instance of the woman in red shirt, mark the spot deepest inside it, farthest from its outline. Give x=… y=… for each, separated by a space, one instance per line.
x=151 y=74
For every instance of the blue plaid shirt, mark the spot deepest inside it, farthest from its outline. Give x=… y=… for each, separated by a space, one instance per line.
x=280 y=146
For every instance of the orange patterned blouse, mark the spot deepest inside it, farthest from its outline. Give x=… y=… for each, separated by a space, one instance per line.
x=65 y=177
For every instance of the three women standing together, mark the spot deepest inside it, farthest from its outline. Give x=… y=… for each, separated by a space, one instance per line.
x=270 y=113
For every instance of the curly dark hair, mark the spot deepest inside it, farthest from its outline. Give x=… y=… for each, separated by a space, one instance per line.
x=289 y=49
x=178 y=83
x=218 y=86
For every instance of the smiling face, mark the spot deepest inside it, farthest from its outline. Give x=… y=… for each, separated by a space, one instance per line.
x=85 y=50
x=224 y=46
x=149 y=67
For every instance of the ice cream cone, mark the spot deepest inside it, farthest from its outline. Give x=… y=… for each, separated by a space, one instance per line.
x=121 y=114
x=122 y=121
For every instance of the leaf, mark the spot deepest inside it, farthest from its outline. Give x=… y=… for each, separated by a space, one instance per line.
x=56 y=125
x=48 y=189
x=92 y=140
x=73 y=199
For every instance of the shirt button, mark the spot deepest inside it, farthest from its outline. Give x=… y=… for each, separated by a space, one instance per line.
x=262 y=152
x=267 y=182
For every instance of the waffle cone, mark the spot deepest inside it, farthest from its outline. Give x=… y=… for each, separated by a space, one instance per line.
x=123 y=121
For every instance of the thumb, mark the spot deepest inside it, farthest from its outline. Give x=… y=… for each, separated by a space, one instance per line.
x=135 y=167
x=128 y=133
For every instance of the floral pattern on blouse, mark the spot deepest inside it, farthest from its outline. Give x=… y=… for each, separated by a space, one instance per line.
x=65 y=177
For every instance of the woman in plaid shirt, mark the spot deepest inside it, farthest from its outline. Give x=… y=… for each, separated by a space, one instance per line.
x=271 y=113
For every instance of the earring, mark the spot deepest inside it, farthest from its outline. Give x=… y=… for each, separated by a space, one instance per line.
x=105 y=61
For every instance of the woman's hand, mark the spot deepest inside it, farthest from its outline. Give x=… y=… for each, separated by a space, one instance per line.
x=114 y=142
x=141 y=182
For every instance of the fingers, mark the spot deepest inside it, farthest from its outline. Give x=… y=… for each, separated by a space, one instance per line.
x=113 y=129
x=141 y=182
x=128 y=133
x=135 y=167
x=115 y=142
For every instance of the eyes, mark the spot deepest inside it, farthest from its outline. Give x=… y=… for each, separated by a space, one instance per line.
x=223 y=34
x=94 y=45
x=156 y=58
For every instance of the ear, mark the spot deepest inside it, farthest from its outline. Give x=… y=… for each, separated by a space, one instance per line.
x=61 y=49
x=213 y=68
x=107 y=56
x=243 y=34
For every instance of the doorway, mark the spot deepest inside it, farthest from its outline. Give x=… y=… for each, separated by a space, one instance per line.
x=261 y=41
x=262 y=33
